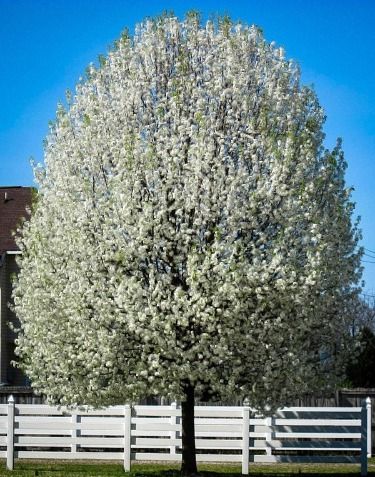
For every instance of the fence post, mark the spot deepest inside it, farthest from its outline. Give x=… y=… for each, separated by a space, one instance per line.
x=269 y=434
x=73 y=433
x=173 y=433
x=364 y=440
x=10 y=434
x=245 y=438
x=127 y=438
x=369 y=430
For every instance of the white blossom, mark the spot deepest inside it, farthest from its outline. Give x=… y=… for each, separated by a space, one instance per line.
x=189 y=227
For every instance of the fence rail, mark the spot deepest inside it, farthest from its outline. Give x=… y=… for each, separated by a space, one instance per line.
x=223 y=434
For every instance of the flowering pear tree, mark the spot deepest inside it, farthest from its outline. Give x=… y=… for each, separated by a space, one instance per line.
x=192 y=238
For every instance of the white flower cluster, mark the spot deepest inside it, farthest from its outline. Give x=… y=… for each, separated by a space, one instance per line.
x=189 y=227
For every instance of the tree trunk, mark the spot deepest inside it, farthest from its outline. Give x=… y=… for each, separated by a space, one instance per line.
x=189 y=462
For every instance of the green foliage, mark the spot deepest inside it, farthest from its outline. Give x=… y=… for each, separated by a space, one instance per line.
x=194 y=16
x=102 y=60
x=361 y=369
x=34 y=198
x=86 y=120
x=225 y=24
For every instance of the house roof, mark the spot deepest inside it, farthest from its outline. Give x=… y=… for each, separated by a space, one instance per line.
x=13 y=203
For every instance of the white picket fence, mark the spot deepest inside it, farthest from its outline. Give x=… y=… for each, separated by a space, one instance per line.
x=153 y=433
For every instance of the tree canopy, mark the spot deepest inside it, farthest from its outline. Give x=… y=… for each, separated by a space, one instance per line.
x=192 y=234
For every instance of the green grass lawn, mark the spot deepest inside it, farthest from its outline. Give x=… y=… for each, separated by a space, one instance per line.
x=102 y=469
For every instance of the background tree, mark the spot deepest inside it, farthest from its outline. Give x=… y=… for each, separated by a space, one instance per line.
x=192 y=236
x=360 y=370
x=361 y=365
x=362 y=311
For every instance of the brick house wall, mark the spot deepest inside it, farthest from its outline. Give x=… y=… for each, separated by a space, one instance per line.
x=8 y=373
x=13 y=204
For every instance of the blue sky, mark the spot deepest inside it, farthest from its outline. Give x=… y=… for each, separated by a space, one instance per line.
x=46 y=45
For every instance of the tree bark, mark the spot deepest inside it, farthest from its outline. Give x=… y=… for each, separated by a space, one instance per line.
x=189 y=462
